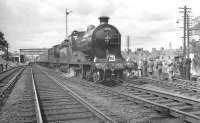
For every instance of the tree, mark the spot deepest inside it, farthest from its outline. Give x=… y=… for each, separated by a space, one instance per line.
x=3 y=42
x=1 y=35
x=4 y=46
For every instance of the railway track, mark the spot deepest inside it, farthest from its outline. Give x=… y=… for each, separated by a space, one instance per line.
x=184 y=87
x=6 y=71
x=176 y=105
x=173 y=105
x=126 y=101
x=5 y=74
x=7 y=82
x=55 y=102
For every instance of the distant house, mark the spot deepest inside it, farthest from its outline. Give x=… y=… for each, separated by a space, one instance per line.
x=166 y=54
x=195 y=31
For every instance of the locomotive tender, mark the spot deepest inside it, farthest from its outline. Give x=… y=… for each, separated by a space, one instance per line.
x=94 y=54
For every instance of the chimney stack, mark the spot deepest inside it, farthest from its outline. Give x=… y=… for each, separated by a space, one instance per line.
x=103 y=19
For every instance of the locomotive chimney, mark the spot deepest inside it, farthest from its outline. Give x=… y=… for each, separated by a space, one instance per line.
x=103 y=19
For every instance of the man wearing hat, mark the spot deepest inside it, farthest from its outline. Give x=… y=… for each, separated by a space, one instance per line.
x=150 y=68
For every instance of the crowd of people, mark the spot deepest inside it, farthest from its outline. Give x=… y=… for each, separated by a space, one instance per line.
x=162 y=69
x=195 y=65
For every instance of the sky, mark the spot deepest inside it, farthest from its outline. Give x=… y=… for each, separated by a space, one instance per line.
x=41 y=23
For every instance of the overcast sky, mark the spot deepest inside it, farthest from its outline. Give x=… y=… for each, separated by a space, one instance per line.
x=41 y=23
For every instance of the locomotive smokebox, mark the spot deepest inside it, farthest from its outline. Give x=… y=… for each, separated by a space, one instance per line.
x=103 y=19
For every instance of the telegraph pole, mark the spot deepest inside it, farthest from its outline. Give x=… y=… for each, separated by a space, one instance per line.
x=7 y=55
x=128 y=44
x=185 y=30
x=188 y=36
x=67 y=13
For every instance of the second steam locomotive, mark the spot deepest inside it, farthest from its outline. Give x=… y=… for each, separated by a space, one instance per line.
x=94 y=54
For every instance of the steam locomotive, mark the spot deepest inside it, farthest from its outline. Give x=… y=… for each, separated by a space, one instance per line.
x=94 y=54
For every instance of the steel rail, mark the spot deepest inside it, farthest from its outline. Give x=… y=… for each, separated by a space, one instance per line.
x=93 y=109
x=37 y=105
x=182 y=85
x=165 y=94
x=9 y=85
x=172 y=111
x=8 y=74
x=6 y=71
x=185 y=84
x=9 y=69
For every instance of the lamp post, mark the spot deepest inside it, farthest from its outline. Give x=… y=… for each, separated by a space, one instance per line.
x=67 y=13
x=6 y=44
